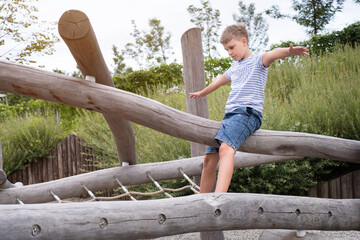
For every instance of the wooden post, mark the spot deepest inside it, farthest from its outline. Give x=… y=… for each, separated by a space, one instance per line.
x=78 y=34
x=194 y=77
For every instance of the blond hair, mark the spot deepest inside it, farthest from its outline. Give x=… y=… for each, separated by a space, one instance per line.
x=236 y=31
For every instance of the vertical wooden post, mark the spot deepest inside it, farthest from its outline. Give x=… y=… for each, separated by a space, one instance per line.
x=194 y=77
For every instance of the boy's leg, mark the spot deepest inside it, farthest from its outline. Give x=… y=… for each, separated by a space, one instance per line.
x=208 y=173
x=226 y=168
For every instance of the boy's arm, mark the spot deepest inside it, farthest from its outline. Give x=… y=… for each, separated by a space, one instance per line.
x=222 y=80
x=279 y=53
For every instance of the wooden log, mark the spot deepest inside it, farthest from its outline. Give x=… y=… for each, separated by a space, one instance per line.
x=194 y=77
x=157 y=218
x=4 y=183
x=24 y=80
x=346 y=186
x=130 y=175
x=78 y=34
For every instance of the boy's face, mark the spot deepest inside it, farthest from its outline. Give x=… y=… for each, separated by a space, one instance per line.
x=237 y=49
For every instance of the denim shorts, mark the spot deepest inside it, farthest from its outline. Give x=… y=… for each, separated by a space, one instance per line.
x=236 y=127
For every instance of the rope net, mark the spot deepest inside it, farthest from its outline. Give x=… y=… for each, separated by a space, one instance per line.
x=161 y=190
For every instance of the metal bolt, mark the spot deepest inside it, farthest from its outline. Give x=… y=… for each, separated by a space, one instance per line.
x=35 y=230
x=217 y=213
x=103 y=223
x=161 y=218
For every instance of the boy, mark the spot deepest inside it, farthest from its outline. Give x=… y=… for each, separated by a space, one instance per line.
x=243 y=111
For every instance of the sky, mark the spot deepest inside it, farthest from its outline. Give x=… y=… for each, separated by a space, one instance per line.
x=111 y=21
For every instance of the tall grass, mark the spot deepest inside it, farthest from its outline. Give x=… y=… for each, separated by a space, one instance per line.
x=26 y=139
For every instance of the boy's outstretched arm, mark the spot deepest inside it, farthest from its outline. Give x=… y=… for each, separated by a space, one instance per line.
x=279 y=53
x=222 y=80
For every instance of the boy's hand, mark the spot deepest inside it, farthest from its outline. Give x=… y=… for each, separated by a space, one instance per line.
x=195 y=95
x=298 y=50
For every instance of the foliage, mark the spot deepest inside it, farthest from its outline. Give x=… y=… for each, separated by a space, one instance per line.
x=27 y=139
x=323 y=43
x=208 y=20
x=139 y=81
x=150 y=48
x=151 y=146
x=16 y=18
x=312 y=14
x=120 y=66
x=256 y=25
x=215 y=67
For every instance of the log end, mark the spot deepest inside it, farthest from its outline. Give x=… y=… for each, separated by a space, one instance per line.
x=74 y=24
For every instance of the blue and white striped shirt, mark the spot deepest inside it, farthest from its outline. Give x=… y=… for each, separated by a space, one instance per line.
x=248 y=81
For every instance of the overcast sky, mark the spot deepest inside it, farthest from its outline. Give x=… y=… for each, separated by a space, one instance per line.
x=111 y=21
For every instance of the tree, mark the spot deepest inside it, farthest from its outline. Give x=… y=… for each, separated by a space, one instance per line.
x=149 y=48
x=208 y=20
x=21 y=29
x=312 y=14
x=256 y=25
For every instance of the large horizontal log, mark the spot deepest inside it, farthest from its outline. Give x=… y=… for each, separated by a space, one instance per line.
x=79 y=36
x=129 y=175
x=156 y=218
x=54 y=87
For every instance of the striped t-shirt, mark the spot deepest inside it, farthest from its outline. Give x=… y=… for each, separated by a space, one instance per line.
x=248 y=81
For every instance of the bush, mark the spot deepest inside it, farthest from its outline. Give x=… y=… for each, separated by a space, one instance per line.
x=27 y=139
x=142 y=81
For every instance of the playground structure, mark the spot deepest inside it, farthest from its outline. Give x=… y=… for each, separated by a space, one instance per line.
x=155 y=218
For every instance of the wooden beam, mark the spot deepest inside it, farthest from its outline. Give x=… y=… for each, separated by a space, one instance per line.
x=157 y=218
x=4 y=183
x=130 y=175
x=194 y=78
x=24 y=80
x=78 y=34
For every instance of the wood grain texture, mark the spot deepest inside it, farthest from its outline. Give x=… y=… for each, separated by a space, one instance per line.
x=24 y=80
x=156 y=218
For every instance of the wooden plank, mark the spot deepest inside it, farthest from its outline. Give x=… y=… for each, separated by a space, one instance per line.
x=78 y=155
x=194 y=78
x=30 y=176
x=44 y=169
x=49 y=164
x=335 y=188
x=104 y=179
x=24 y=80
x=60 y=160
x=78 y=34
x=313 y=192
x=324 y=190
x=356 y=183
x=1 y=157
x=158 y=218
x=68 y=156
x=346 y=186
x=73 y=154
x=39 y=165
